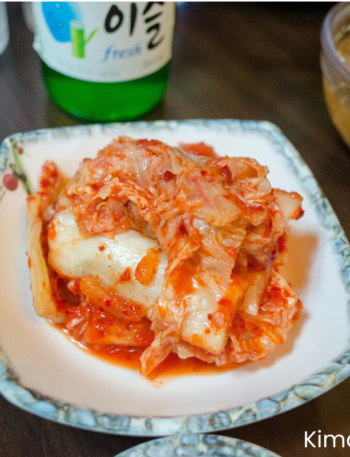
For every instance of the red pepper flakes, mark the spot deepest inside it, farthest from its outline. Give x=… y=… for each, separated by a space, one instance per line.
x=199 y=149
x=168 y=176
x=126 y=276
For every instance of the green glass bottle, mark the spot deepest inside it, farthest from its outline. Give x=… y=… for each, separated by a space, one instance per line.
x=105 y=61
x=116 y=101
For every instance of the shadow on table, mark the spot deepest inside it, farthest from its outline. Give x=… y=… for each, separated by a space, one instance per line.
x=56 y=117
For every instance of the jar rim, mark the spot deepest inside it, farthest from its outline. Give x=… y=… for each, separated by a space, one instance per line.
x=327 y=42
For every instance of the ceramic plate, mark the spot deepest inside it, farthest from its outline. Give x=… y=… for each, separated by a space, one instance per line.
x=42 y=372
x=197 y=445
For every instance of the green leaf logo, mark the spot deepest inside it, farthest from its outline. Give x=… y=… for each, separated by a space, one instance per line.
x=77 y=32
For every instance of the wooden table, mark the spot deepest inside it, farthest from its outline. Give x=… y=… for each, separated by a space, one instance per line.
x=244 y=61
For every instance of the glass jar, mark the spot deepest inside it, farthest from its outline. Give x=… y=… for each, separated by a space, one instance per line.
x=4 y=28
x=335 y=65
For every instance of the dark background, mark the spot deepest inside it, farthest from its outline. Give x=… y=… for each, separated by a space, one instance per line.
x=244 y=61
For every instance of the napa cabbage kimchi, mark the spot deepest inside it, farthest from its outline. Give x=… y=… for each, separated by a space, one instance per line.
x=167 y=249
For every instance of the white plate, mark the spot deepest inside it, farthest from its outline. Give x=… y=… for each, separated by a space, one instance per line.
x=197 y=445
x=44 y=373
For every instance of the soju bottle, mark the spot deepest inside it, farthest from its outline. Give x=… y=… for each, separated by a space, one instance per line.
x=105 y=61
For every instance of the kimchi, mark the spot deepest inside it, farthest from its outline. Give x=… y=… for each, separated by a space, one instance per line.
x=164 y=249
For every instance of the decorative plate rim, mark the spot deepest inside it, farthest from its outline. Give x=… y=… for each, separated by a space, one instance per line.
x=197 y=442
x=298 y=394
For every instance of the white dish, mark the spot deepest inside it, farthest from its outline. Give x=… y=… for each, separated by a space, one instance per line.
x=46 y=374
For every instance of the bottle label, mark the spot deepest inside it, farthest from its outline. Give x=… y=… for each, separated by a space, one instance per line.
x=102 y=41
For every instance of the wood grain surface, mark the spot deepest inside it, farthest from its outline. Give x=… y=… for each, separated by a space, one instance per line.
x=231 y=60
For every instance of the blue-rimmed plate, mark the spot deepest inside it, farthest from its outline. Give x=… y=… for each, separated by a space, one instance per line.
x=197 y=445
x=44 y=373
